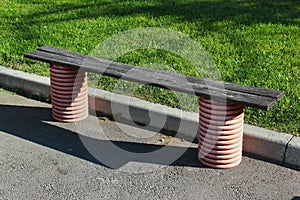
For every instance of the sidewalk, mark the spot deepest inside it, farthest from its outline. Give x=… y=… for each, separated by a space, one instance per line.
x=41 y=158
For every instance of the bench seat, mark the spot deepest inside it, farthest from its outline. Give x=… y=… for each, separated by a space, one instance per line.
x=249 y=96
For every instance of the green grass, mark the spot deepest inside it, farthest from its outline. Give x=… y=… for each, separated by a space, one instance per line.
x=7 y=91
x=251 y=42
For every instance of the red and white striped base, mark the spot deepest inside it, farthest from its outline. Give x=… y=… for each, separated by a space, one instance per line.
x=69 y=94
x=220 y=133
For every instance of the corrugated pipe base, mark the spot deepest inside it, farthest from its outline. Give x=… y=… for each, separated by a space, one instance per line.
x=220 y=132
x=69 y=94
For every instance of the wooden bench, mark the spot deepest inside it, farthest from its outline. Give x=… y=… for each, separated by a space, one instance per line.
x=220 y=104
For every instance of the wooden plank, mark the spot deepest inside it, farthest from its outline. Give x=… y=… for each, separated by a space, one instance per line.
x=62 y=52
x=243 y=95
x=155 y=78
x=212 y=83
x=90 y=65
x=54 y=59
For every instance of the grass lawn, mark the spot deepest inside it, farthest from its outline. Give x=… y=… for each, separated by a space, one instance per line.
x=252 y=42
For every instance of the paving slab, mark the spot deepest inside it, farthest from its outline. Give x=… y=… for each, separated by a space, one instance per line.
x=44 y=159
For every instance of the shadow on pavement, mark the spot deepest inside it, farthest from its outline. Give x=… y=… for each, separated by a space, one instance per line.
x=30 y=123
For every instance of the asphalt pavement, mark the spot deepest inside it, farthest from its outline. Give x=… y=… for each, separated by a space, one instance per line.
x=102 y=159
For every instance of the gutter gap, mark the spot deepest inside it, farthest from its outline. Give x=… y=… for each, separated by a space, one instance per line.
x=285 y=149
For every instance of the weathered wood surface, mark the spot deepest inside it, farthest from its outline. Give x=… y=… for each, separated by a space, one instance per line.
x=244 y=95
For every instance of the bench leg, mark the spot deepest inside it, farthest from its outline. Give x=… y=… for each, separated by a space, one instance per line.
x=69 y=94
x=220 y=133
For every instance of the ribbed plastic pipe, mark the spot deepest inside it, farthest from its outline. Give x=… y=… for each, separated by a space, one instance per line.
x=220 y=133
x=69 y=94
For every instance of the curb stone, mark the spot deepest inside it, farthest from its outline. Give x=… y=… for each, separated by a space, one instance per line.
x=30 y=84
x=265 y=143
x=280 y=147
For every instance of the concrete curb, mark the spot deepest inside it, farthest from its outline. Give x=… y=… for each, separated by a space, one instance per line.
x=30 y=84
x=280 y=147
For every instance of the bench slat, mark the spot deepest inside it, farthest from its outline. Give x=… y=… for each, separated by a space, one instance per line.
x=62 y=52
x=54 y=58
x=243 y=95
